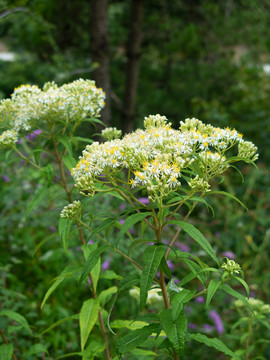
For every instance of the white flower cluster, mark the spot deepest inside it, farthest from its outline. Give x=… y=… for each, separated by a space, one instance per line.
x=257 y=305
x=70 y=102
x=72 y=211
x=157 y=157
x=231 y=267
x=8 y=138
x=111 y=133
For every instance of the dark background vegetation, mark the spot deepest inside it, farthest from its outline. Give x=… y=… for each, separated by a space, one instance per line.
x=204 y=59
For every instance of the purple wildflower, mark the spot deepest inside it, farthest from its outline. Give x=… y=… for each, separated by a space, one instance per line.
x=170 y=265
x=183 y=247
x=90 y=242
x=5 y=178
x=33 y=134
x=228 y=254
x=52 y=229
x=215 y=317
x=207 y=328
x=200 y=299
x=106 y=264
x=192 y=326
x=144 y=200
x=121 y=221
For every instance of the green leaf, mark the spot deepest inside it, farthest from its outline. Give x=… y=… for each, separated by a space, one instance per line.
x=64 y=140
x=135 y=338
x=130 y=221
x=104 y=225
x=128 y=324
x=82 y=139
x=110 y=275
x=48 y=172
x=64 y=226
x=94 y=348
x=37 y=154
x=88 y=318
x=215 y=343
x=69 y=161
x=36 y=199
x=16 y=317
x=225 y=193
x=151 y=259
x=243 y=283
x=91 y=261
x=6 y=351
x=35 y=349
x=179 y=300
x=105 y=295
x=138 y=242
x=69 y=271
x=235 y=294
x=95 y=273
x=59 y=322
x=196 y=235
x=165 y=268
x=128 y=282
x=212 y=288
x=175 y=329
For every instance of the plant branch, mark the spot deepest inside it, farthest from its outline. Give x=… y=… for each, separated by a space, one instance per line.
x=6 y=342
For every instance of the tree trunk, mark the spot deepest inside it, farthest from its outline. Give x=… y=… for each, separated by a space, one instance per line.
x=100 y=52
x=133 y=50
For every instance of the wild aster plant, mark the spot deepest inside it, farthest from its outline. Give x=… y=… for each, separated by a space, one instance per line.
x=174 y=168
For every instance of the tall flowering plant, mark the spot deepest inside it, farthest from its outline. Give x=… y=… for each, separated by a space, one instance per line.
x=175 y=169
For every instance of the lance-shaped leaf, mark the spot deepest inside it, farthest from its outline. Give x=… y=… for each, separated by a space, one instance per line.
x=64 y=226
x=36 y=199
x=198 y=237
x=215 y=343
x=235 y=294
x=88 y=318
x=35 y=349
x=135 y=338
x=6 y=351
x=130 y=221
x=59 y=322
x=16 y=317
x=64 y=140
x=91 y=261
x=179 y=300
x=151 y=259
x=225 y=193
x=175 y=329
x=212 y=288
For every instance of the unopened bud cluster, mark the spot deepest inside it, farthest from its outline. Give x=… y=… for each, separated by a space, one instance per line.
x=231 y=267
x=159 y=158
x=153 y=297
x=8 y=138
x=72 y=211
x=248 y=150
x=111 y=133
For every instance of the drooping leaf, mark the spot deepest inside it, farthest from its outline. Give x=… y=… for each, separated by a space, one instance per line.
x=48 y=172
x=64 y=140
x=68 y=272
x=128 y=324
x=215 y=343
x=106 y=294
x=110 y=275
x=59 y=322
x=6 y=351
x=35 y=349
x=179 y=300
x=225 y=193
x=135 y=338
x=165 y=268
x=36 y=199
x=196 y=235
x=237 y=295
x=69 y=161
x=175 y=329
x=88 y=318
x=212 y=288
x=91 y=261
x=92 y=350
x=243 y=283
x=151 y=259
x=138 y=242
x=130 y=221
x=64 y=227
x=16 y=317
